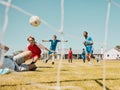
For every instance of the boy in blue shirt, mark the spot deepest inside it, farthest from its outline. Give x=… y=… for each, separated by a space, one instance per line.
x=52 y=47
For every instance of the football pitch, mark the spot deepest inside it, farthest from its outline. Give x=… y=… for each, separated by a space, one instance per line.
x=73 y=76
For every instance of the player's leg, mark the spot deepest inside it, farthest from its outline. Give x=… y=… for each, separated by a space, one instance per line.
x=22 y=57
x=83 y=57
x=84 y=60
x=35 y=58
x=98 y=59
x=88 y=54
x=71 y=60
x=88 y=58
x=53 y=58
x=48 y=57
x=92 y=56
x=68 y=59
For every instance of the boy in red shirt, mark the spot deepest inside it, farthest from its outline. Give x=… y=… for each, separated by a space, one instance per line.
x=35 y=48
x=70 y=55
x=33 y=52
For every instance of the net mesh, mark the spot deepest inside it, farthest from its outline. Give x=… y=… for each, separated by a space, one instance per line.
x=8 y=5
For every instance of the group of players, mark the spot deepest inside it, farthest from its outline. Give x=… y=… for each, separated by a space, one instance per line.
x=33 y=51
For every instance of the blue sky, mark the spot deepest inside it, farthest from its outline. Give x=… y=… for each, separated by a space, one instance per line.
x=79 y=16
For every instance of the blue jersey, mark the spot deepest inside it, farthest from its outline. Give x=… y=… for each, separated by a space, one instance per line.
x=88 y=44
x=54 y=44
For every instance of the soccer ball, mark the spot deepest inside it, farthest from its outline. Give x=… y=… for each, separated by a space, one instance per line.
x=35 y=21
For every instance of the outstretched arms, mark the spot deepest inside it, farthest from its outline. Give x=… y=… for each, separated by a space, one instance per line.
x=58 y=40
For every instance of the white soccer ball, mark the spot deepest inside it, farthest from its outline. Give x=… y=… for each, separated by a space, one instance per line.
x=35 y=21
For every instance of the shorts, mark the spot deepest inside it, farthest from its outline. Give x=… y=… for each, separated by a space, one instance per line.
x=19 y=59
x=89 y=50
x=69 y=57
x=51 y=52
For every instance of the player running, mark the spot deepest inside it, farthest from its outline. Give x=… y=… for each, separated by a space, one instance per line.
x=52 y=47
x=88 y=44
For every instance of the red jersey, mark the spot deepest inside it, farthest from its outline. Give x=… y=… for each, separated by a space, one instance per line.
x=36 y=51
x=70 y=54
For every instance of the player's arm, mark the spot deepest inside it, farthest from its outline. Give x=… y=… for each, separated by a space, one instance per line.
x=26 y=49
x=49 y=50
x=44 y=48
x=90 y=41
x=85 y=44
x=63 y=40
x=45 y=40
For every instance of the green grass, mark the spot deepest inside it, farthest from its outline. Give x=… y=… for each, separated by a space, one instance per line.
x=74 y=76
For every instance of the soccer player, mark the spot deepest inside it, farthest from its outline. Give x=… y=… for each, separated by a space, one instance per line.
x=88 y=43
x=70 y=55
x=8 y=64
x=83 y=55
x=35 y=48
x=52 y=47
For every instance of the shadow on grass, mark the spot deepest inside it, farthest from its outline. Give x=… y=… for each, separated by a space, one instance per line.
x=96 y=80
x=101 y=84
x=14 y=84
x=53 y=82
x=38 y=71
x=64 y=70
x=44 y=67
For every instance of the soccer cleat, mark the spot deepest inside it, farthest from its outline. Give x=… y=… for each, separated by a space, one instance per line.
x=4 y=71
x=46 y=60
x=33 y=69
x=52 y=63
x=89 y=63
x=98 y=62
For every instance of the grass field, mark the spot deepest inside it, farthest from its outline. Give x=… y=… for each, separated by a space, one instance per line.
x=74 y=76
